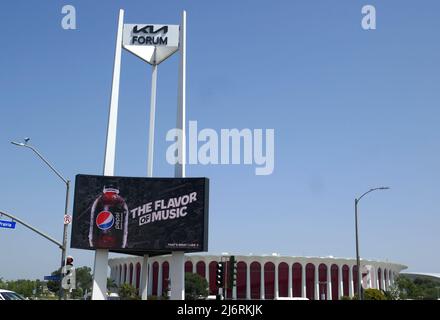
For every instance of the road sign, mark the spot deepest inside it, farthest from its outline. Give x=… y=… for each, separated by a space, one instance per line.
x=67 y=219
x=52 y=278
x=7 y=224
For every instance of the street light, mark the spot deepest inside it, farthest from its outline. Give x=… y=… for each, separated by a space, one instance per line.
x=358 y=261
x=67 y=183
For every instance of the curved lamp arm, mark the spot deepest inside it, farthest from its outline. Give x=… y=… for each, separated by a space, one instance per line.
x=21 y=144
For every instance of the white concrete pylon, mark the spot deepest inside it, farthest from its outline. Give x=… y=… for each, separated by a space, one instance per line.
x=329 y=282
x=99 y=287
x=178 y=259
x=144 y=278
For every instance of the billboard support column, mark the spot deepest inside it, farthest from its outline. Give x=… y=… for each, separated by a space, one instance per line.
x=177 y=276
x=181 y=101
x=144 y=275
x=144 y=278
x=152 y=118
x=178 y=258
x=99 y=290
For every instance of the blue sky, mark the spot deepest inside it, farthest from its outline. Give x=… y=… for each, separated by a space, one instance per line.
x=351 y=109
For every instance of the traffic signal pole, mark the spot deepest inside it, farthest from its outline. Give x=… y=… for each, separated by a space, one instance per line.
x=220 y=278
x=232 y=277
x=226 y=278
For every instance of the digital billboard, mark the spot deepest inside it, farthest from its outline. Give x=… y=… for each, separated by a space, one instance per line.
x=140 y=215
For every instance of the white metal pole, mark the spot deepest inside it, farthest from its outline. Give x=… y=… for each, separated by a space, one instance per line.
x=101 y=255
x=177 y=276
x=152 y=121
x=178 y=258
x=150 y=158
x=181 y=100
x=144 y=278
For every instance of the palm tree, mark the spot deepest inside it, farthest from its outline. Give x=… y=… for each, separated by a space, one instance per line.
x=111 y=284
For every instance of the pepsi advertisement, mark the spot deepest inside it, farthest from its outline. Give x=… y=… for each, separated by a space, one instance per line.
x=140 y=215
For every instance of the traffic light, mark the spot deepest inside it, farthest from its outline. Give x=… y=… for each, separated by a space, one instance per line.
x=232 y=272
x=220 y=275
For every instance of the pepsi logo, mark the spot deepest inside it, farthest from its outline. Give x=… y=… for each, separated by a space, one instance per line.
x=105 y=220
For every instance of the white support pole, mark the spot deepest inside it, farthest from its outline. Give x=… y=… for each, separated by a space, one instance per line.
x=159 y=280
x=144 y=278
x=207 y=272
x=150 y=279
x=289 y=284
x=340 y=281
x=178 y=258
x=110 y=148
x=377 y=282
x=350 y=281
x=152 y=121
x=181 y=100
x=248 y=280
x=388 y=279
x=133 y=275
x=262 y=284
x=303 y=281
x=99 y=289
x=317 y=293
x=329 y=282
x=177 y=276
x=150 y=158
x=276 y=284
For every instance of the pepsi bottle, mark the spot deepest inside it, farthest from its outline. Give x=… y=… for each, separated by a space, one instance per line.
x=109 y=220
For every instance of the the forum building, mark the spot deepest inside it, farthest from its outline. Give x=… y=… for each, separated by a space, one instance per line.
x=265 y=276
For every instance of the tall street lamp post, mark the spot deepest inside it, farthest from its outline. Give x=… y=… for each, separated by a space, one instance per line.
x=67 y=183
x=358 y=260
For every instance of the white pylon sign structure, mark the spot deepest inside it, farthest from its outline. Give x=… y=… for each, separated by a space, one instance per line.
x=153 y=44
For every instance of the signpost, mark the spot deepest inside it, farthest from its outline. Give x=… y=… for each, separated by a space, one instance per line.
x=52 y=278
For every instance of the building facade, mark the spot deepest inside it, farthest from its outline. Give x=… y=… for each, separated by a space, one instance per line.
x=266 y=276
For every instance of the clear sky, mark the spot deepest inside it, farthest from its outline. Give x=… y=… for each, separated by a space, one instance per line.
x=351 y=109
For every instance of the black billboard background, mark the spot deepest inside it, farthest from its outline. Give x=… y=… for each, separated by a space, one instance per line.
x=152 y=238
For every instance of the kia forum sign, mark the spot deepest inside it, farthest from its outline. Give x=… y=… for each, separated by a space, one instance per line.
x=152 y=43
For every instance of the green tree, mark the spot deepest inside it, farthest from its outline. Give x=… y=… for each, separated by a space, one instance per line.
x=195 y=286
x=84 y=280
x=393 y=292
x=374 y=294
x=54 y=286
x=128 y=292
x=3 y=284
x=21 y=286
x=38 y=288
x=407 y=288
x=111 y=284
x=417 y=288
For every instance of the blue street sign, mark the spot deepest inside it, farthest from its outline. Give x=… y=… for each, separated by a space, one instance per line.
x=7 y=224
x=52 y=278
